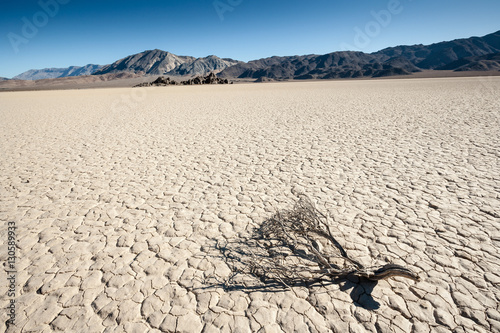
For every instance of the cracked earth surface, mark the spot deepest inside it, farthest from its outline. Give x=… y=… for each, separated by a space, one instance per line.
x=118 y=196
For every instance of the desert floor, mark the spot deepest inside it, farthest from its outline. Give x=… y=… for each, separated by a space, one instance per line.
x=120 y=195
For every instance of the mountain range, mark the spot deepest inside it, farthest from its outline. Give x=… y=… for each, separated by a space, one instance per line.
x=467 y=54
x=52 y=73
x=475 y=53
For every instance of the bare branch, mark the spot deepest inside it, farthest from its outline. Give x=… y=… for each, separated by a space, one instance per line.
x=297 y=246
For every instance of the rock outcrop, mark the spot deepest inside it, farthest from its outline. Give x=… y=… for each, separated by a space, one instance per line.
x=159 y=82
x=166 y=81
x=209 y=79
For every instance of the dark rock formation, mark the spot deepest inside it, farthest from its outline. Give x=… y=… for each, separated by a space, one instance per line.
x=162 y=81
x=264 y=79
x=209 y=79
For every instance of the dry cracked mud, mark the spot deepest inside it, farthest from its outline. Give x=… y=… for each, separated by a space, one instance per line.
x=118 y=196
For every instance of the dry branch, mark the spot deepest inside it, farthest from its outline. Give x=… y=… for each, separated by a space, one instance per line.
x=297 y=246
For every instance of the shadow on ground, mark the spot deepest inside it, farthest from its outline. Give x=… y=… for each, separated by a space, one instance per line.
x=237 y=254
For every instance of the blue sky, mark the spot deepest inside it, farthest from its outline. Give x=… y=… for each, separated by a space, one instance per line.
x=77 y=32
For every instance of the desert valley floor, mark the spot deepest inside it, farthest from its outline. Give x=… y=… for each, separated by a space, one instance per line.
x=119 y=197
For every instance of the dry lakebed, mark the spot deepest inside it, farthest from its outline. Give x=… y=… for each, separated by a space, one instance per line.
x=117 y=201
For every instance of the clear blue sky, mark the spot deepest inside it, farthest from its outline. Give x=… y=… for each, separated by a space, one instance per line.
x=100 y=32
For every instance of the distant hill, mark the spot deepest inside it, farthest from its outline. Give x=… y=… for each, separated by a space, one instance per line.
x=346 y=64
x=399 y=60
x=74 y=82
x=154 y=62
x=158 y=62
x=3 y=78
x=489 y=62
x=441 y=54
x=203 y=66
x=52 y=73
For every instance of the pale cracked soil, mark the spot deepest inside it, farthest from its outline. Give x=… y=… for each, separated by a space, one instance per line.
x=118 y=196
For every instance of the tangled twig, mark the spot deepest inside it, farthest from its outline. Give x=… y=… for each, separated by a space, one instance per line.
x=297 y=246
